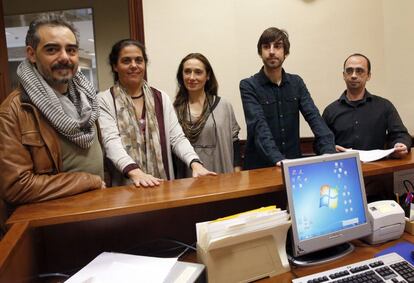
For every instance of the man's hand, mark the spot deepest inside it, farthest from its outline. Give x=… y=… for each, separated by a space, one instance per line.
x=142 y=179
x=400 y=150
x=237 y=168
x=341 y=148
x=98 y=181
x=199 y=170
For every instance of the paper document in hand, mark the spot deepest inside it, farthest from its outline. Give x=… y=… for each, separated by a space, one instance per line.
x=372 y=155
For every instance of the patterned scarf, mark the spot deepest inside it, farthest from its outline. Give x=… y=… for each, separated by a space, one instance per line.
x=145 y=150
x=76 y=125
x=192 y=128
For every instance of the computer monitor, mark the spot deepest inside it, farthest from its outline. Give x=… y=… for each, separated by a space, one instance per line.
x=327 y=204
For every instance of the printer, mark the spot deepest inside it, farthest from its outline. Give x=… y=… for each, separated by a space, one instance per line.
x=387 y=221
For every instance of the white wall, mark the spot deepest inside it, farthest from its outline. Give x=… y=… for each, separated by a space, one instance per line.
x=322 y=34
x=399 y=58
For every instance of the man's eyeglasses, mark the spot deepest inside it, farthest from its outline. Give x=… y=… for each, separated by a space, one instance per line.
x=359 y=71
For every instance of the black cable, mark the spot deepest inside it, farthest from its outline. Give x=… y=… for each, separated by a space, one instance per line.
x=183 y=252
x=180 y=243
x=53 y=274
x=151 y=243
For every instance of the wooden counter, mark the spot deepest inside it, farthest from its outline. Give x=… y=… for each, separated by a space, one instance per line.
x=171 y=194
x=65 y=234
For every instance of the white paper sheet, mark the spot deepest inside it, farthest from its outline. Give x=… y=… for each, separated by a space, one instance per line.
x=124 y=268
x=372 y=155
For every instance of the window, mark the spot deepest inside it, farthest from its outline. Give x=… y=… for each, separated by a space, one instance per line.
x=16 y=27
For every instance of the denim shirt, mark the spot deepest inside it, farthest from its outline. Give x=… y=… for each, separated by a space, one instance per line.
x=272 y=118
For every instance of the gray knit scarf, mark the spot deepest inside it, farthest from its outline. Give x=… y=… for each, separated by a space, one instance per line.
x=79 y=128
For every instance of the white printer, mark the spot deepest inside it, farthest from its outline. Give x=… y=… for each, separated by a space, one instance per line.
x=387 y=221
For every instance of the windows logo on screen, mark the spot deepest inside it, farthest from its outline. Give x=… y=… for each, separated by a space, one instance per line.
x=328 y=197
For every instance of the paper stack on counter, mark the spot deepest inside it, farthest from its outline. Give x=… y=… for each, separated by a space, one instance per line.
x=244 y=247
x=124 y=268
x=228 y=230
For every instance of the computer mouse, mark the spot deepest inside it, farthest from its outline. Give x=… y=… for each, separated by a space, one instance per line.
x=412 y=254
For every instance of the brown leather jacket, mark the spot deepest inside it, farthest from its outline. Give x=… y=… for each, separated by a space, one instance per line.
x=30 y=156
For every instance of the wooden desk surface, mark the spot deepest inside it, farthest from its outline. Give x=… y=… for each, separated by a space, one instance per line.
x=178 y=193
x=170 y=194
x=388 y=166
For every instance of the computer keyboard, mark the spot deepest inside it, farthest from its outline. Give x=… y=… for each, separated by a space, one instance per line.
x=386 y=268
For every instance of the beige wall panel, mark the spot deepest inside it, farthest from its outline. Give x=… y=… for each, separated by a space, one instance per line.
x=322 y=34
x=399 y=58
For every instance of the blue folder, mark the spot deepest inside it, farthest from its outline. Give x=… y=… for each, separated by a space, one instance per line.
x=403 y=249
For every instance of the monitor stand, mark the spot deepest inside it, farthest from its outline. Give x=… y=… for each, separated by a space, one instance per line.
x=322 y=256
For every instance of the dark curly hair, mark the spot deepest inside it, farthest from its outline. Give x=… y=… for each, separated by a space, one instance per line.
x=116 y=49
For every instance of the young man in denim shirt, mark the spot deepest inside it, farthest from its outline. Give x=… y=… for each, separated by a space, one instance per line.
x=272 y=100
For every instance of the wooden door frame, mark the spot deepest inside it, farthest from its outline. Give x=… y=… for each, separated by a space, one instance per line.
x=4 y=66
x=136 y=20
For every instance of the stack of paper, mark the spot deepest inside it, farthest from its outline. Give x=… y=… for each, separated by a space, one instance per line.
x=124 y=268
x=237 y=228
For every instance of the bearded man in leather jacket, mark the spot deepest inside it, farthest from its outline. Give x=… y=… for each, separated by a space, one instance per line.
x=49 y=147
